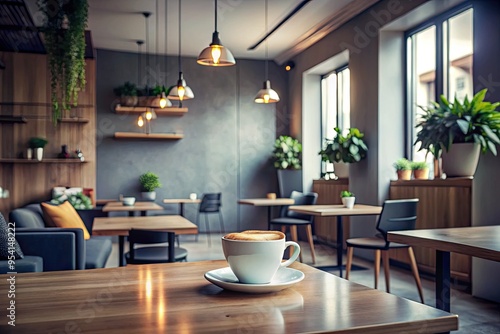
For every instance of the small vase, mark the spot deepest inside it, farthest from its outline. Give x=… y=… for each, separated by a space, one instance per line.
x=29 y=153
x=39 y=153
x=64 y=152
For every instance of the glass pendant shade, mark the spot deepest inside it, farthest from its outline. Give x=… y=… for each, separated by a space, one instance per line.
x=267 y=94
x=181 y=91
x=216 y=54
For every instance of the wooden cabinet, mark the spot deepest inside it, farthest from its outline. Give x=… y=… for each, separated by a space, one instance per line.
x=443 y=203
x=325 y=228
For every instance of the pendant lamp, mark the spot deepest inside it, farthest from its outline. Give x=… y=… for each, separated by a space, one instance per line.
x=181 y=91
x=216 y=54
x=267 y=94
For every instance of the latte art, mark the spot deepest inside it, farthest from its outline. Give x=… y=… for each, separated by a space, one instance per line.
x=255 y=235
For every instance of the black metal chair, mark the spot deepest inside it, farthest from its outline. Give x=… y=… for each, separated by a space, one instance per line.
x=293 y=219
x=396 y=215
x=153 y=254
x=210 y=203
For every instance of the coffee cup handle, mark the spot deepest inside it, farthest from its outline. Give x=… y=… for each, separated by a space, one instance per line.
x=296 y=251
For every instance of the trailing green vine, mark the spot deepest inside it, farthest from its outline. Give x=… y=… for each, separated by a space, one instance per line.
x=64 y=34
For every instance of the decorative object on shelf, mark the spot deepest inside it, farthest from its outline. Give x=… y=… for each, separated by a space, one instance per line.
x=267 y=94
x=29 y=153
x=348 y=198
x=37 y=144
x=149 y=182
x=64 y=153
x=287 y=153
x=79 y=201
x=420 y=170
x=472 y=126
x=4 y=193
x=403 y=168
x=127 y=94
x=181 y=91
x=344 y=149
x=216 y=54
x=64 y=36
x=79 y=155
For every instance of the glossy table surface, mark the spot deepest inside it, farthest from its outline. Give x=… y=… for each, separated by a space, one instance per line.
x=138 y=206
x=478 y=241
x=176 y=298
x=122 y=225
x=337 y=210
x=266 y=201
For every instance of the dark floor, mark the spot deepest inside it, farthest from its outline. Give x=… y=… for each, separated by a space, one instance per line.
x=476 y=316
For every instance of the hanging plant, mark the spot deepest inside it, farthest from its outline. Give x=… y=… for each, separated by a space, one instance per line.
x=64 y=33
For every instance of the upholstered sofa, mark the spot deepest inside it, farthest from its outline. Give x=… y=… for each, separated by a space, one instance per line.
x=60 y=248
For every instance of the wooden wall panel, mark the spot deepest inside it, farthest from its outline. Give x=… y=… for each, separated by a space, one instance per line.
x=325 y=228
x=443 y=203
x=26 y=92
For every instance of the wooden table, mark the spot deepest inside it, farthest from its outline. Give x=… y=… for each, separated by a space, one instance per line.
x=270 y=203
x=176 y=298
x=138 y=206
x=337 y=210
x=477 y=241
x=120 y=226
x=181 y=202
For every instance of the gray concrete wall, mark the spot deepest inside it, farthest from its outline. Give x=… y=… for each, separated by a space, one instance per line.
x=227 y=142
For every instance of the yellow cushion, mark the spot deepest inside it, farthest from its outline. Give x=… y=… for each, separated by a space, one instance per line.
x=64 y=215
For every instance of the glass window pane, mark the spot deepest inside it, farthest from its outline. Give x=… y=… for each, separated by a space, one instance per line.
x=460 y=56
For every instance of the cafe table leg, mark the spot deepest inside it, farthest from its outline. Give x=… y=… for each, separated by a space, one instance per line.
x=121 y=242
x=340 y=243
x=181 y=209
x=443 y=290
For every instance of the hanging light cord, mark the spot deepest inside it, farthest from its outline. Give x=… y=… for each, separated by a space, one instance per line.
x=180 y=64
x=157 y=38
x=215 y=15
x=166 y=45
x=146 y=15
x=267 y=74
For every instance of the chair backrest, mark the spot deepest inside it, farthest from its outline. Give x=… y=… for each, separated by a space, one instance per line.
x=300 y=199
x=397 y=215
x=288 y=181
x=138 y=236
x=210 y=202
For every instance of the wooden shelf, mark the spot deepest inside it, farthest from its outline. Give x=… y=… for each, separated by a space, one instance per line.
x=167 y=111
x=154 y=136
x=12 y=119
x=73 y=120
x=46 y=161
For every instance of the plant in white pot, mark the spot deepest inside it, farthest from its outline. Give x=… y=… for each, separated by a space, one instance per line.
x=344 y=149
x=37 y=144
x=149 y=182
x=348 y=198
x=459 y=130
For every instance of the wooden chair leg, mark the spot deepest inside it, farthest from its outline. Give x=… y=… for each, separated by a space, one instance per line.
x=385 y=261
x=350 y=250
x=377 y=266
x=311 y=242
x=294 y=235
x=414 y=270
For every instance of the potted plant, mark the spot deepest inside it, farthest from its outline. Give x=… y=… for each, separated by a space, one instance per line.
x=348 y=198
x=64 y=37
x=287 y=159
x=149 y=182
x=127 y=94
x=37 y=144
x=344 y=149
x=459 y=130
x=403 y=168
x=420 y=170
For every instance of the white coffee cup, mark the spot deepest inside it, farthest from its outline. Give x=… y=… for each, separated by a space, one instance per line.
x=192 y=196
x=255 y=256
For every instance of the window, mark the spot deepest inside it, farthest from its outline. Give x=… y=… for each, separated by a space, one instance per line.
x=439 y=62
x=335 y=106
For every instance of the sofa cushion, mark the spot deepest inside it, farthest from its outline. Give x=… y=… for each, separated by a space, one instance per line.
x=97 y=251
x=8 y=243
x=30 y=216
x=28 y=264
x=64 y=216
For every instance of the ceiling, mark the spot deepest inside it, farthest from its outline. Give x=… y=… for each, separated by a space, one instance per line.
x=118 y=24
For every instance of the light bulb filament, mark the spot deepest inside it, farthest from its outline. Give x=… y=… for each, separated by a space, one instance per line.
x=216 y=53
x=181 y=91
x=140 y=121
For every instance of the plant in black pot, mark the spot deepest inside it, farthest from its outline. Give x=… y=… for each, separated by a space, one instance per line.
x=149 y=182
x=287 y=159
x=127 y=94
x=459 y=131
x=350 y=148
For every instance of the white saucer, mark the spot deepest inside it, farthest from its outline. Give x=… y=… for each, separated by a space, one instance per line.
x=225 y=278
